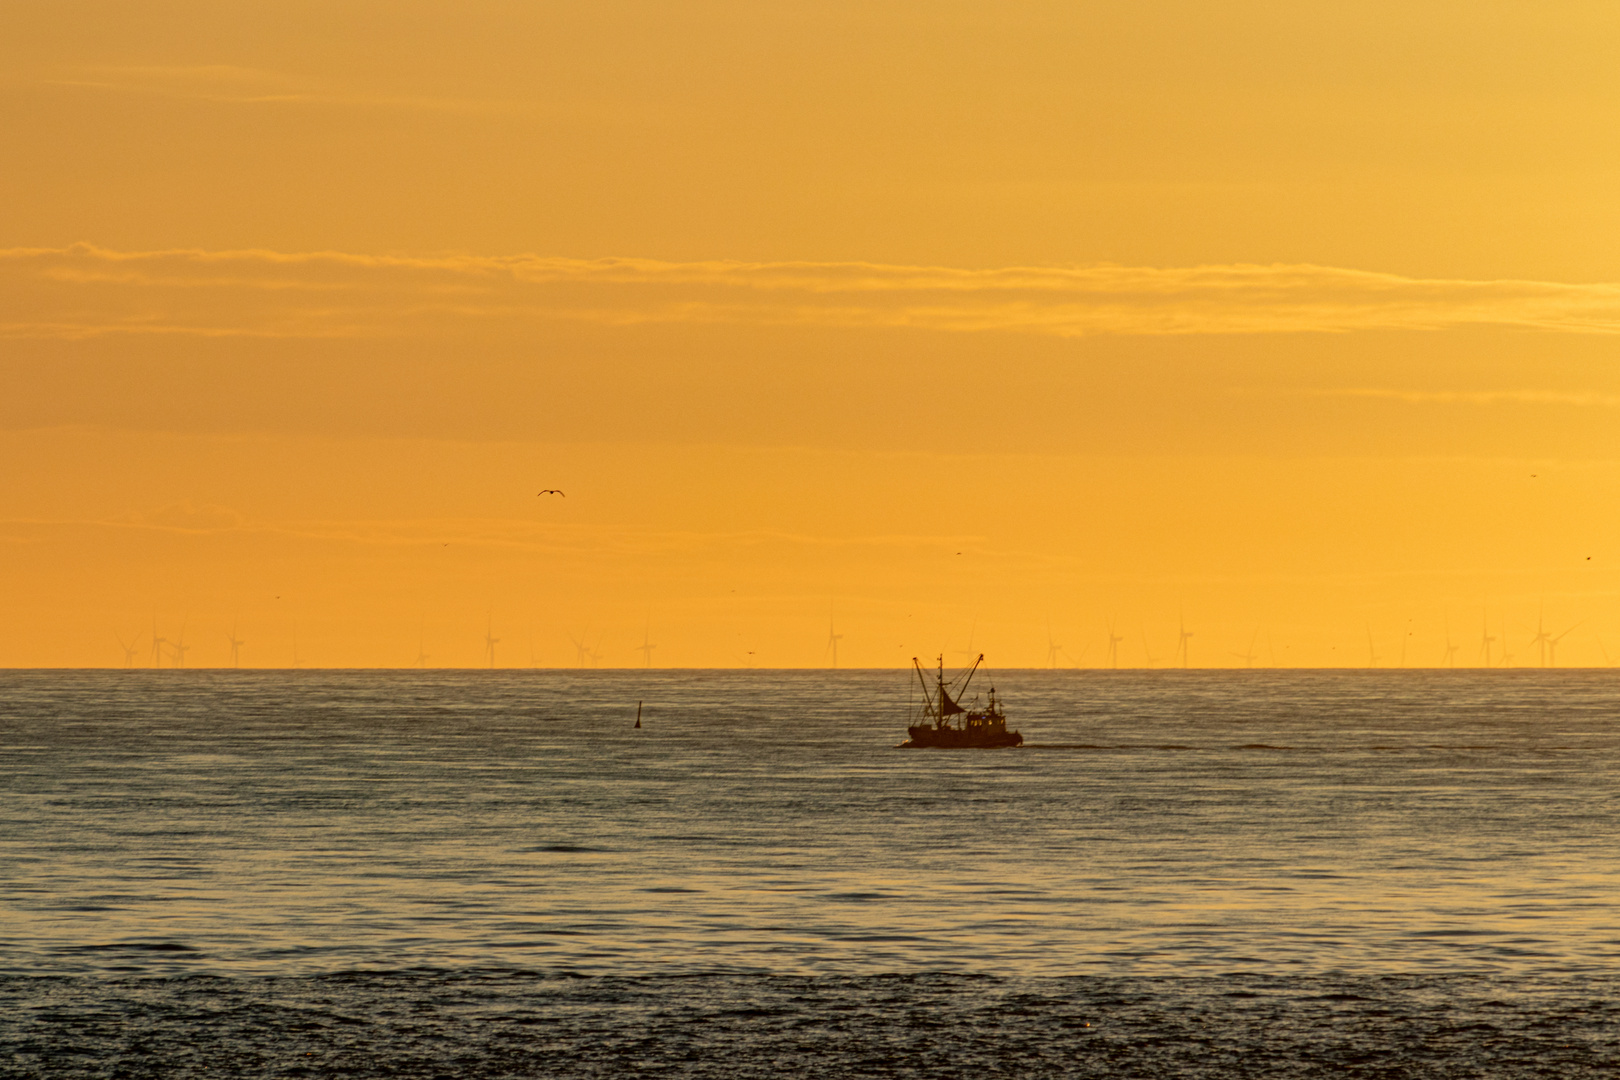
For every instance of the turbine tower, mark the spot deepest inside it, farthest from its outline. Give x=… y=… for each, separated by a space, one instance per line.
x=1552 y=646
x=968 y=652
x=490 y=641
x=129 y=650
x=1541 y=639
x=1485 y=639
x=1147 y=652
x=157 y=645
x=1184 y=636
x=832 y=642
x=1052 y=647
x=1114 y=642
x=646 y=647
x=180 y=648
x=1451 y=650
x=1372 y=653
x=1250 y=656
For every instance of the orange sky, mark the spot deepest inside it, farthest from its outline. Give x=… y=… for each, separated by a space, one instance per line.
x=1291 y=323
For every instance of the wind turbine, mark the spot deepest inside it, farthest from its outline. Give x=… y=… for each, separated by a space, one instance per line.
x=1552 y=646
x=832 y=642
x=1507 y=657
x=1485 y=639
x=1181 y=641
x=157 y=645
x=646 y=647
x=421 y=652
x=129 y=650
x=180 y=648
x=1250 y=656
x=1052 y=647
x=1451 y=650
x=490 y=640
x=1541 y=639
x=1114 y=642
x=1147 y=652
x=1372 y=654
x=968 y=652
x=581 y=650
x=236 y=647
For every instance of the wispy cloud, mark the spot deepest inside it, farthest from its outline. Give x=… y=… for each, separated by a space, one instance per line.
x=1576 y=398
x=233 y=85
x=85 y=290
x=477 y=534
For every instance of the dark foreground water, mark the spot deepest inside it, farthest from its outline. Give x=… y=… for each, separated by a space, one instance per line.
x=493 y=874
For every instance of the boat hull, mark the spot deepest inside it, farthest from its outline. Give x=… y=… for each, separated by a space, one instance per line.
x=957 y=739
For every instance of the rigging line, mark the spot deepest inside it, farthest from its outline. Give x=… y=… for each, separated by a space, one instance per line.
x=970 y=672
x=916 y=664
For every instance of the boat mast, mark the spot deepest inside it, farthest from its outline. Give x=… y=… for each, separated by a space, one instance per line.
x=940 y=711
x=927 y=704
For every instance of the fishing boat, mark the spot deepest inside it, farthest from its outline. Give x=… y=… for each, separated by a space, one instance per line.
x=980 y=727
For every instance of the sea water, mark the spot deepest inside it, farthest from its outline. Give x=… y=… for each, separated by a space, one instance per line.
x=424 y=873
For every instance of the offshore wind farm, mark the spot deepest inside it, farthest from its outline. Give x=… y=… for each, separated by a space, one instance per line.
x=1420 y=646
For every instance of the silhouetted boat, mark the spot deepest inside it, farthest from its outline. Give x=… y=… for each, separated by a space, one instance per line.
x=980 y=728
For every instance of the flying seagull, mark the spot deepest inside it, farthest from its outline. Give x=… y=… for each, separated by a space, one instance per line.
x=553 y=491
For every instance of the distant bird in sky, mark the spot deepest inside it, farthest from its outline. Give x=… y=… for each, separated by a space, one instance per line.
x=553 y=491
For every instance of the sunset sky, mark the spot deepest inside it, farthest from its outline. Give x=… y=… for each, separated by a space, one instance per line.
x=951 y=324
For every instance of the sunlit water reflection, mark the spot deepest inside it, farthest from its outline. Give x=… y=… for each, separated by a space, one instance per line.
x=1158 y=823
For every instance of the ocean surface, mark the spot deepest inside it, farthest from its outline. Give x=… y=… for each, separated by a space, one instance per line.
x=461 y=873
